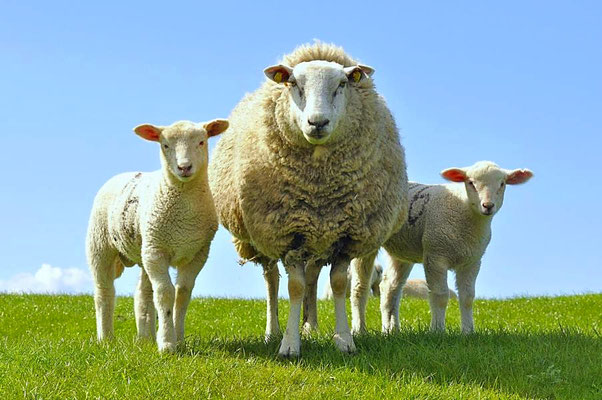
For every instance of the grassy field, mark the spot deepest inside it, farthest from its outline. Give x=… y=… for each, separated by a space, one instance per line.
x=548 y=348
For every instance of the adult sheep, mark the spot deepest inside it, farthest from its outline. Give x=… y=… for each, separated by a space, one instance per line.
x=311 y=172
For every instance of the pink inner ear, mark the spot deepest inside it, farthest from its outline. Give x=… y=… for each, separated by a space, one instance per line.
x=519 y=176
x=148 y=132
x=454 y=175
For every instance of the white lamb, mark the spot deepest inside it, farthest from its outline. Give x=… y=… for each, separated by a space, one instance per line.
x=377 y=275
x=448 y=227
x=155 y=220
x=418 y=289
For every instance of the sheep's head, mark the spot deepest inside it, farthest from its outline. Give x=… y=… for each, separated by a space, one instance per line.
x=486 y=183
x=183 y=145
x=318 y=95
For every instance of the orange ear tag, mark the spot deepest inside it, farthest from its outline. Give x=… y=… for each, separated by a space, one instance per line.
x=278 y=77
x=357 y=75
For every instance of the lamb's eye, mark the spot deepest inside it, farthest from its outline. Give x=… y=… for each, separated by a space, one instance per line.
x=165 y=146
x=343 y=84
x=502 y=184
x=293 y=83
x=202 y=142
x=471 y=183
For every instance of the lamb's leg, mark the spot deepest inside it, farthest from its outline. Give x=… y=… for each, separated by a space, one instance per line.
x=394 y=278
x=361 y=278
x=272 y=278
x=310 y=301
x=184 y=284
x=156 y=265
x=465 y=283
x=435 y=271
x=338 y=282
x=103 y=267
x=144 y=308
x=291 y=342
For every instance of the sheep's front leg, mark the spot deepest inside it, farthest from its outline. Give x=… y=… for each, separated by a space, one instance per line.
x=435 y=271
x=144 y=308
x=156 y=265
x=184 y=285
x=291 y=342
x=465 y=283
x=272 y=279
x=310 y=301
x=338 y=282
x=394 y=278
x=361 y=279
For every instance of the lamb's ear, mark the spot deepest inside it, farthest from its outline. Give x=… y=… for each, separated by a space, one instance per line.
x=148 y=132
x=518 y=176
x=358 y=72
x=216 y=126
x=278 y=73
x=454 y=174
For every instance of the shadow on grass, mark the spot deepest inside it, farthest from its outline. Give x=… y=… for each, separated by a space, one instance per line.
x=560 y=364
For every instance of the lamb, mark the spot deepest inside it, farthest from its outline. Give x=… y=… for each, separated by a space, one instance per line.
x=311 y=172
x=375 y=280
x=417 y=288
x=155 y=220
x=448 y=227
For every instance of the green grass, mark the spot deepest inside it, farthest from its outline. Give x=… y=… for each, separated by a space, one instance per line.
x=547 y=348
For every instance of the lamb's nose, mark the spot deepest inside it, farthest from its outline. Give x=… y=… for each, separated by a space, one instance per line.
x=185 y=167
x=488 y=205
x=318 y=124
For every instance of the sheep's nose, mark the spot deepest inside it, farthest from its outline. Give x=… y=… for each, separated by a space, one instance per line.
x=488 y=205
x=319 y=124
x=185 y=166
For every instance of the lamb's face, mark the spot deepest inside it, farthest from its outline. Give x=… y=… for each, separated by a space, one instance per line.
x=486 y=184
x=318 y=95
x=183 y=145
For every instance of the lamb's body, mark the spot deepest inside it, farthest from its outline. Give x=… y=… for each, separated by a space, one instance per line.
x=283 y=197
x=418 y=289
x=448 y=227
x=155 y=220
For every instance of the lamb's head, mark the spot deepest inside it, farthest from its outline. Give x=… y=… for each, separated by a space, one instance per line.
x=318 y=94
x=183 y=145
x=486 y=183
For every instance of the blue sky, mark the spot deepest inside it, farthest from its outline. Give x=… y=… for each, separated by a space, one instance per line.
x=515 y=82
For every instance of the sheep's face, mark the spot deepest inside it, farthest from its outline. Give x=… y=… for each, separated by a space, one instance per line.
x=318 y=95
x=486 y=183
x=183 y=145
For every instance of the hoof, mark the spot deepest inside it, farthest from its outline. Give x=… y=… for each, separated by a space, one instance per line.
x=344 y=342
x=309 y=328
x=290 y=348
x=167 y=347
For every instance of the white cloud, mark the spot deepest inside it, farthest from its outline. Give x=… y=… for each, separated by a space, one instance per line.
x=49 y=279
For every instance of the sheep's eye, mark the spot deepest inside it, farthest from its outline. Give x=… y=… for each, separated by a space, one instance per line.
x=502 y=184
x=471 y=183
x=165 y=146
x=292 y=83
x=343 y=84
x=202 y=143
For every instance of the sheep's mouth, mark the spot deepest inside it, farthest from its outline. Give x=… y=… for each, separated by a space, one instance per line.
x=317 y=136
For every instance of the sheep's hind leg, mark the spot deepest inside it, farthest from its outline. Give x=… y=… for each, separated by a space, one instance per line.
x=272 y=279
x=291 y=342
x=104 y=270
x=310 y=301
x=144 y=308
x=465 y=283
x=361 y=276
x=394 y=278
x=338 y=282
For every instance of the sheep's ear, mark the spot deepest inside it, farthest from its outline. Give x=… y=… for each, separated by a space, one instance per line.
x=518 y=176
x=454 y=174
x=358 y=72
x=148 y=132
x=278 y=73
x=216 y=127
